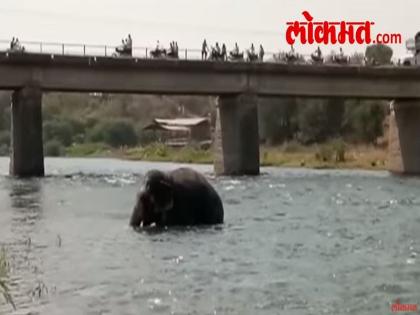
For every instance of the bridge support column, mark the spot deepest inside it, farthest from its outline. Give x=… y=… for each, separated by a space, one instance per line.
x=27 y=156
x=236 y=142
x=404 y=137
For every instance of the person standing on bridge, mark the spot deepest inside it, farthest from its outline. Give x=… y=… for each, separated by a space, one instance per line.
x=204 y=50
x=252 y=50
x=17 y=45
x=236 y=50
x=217 y=49
x=129 y=45
x=319 y=52
x=292 y=50
x=261 y=54
x=224 y=54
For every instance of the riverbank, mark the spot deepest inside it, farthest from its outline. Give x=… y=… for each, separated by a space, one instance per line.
x=331 y=155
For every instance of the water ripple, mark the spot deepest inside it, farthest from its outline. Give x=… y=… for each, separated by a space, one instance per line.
x=294 y=241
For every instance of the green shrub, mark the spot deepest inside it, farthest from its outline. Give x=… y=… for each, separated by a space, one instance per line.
x=364 y=120
x=5 y=115
x=59 y=130
x=4 y=138
x=96 y=133
x=77 y=126
x=312 y=121
x=115 y=133
x=4 y=150
x=146 y=137
x=120 y=133
x=53 y=148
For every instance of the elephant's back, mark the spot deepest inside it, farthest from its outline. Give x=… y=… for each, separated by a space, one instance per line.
x=185 y=175
x=198 y=195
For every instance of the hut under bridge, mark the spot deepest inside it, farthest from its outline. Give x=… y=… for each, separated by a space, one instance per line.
x=179 y=132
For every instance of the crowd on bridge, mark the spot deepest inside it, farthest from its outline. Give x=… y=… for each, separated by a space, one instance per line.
x=219 y=53
x=126 y=49
x=15 y=45
x=215 y=52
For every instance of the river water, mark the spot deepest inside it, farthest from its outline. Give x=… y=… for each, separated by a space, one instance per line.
x=294 y=241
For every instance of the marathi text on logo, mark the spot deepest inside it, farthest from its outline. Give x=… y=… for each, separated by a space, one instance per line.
x=328 y=32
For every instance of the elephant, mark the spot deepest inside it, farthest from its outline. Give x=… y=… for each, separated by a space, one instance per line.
x=182 y=197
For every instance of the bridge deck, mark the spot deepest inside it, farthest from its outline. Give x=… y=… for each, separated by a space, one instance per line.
x=132 y=75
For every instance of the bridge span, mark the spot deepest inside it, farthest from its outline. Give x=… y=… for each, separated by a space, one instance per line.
x=238 y=85
x=160 y=76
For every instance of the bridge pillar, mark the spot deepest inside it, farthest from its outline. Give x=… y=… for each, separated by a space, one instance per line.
x=404 y=140
x=236 y=144
x=27 y=156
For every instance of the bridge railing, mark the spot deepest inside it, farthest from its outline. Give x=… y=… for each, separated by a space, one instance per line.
x=69 y=48
x=74 y=49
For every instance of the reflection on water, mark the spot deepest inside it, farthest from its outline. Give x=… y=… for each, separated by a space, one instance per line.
x=294 y=242
x=25 y=205
x=25 y=202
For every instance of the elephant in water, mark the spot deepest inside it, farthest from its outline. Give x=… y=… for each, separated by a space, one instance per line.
x=179 y=197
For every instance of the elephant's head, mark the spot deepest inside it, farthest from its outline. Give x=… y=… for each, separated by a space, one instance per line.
x=154 y=200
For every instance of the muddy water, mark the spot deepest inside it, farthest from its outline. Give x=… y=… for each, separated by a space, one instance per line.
x=294 y=242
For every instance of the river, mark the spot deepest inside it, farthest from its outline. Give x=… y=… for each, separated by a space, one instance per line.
x=295 y=241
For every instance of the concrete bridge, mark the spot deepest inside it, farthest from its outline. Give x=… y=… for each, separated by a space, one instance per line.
x=238 y=85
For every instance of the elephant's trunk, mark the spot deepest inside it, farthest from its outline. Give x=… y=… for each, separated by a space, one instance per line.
x=136 y=216
x=143 y=211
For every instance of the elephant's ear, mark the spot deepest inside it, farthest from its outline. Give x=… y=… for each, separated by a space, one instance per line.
x=163 y=196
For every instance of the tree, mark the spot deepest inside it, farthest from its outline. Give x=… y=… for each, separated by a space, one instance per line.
x=4 y=111
x=60 y=130
x=334 y=111
x=116 y=133
x=277 y=119
x=312 y=120
x=53 y=148
x=378 y=54
x=357 y=59
x=364 y=120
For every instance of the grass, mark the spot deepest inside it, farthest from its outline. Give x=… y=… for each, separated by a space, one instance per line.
x=332 y=154
x=162 y=153
x=88 y=149
x=4 y=289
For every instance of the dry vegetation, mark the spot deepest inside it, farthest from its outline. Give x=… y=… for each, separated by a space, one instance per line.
x=4 y=268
